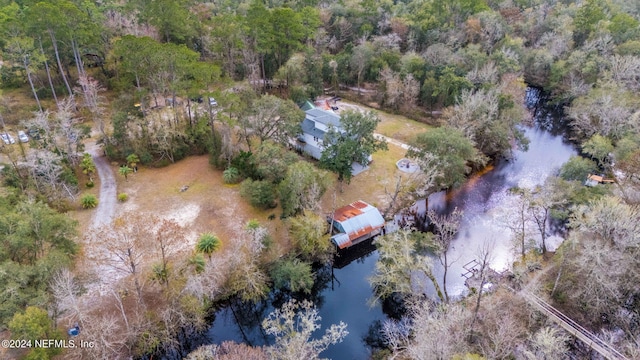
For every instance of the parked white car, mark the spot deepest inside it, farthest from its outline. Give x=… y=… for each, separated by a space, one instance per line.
x=22 y=136
x=7 y=138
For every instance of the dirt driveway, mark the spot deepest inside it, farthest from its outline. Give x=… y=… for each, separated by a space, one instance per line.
x=107 y=200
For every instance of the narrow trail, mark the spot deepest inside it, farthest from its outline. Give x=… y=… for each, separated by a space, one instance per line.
x=107 y=202
x=392 y=141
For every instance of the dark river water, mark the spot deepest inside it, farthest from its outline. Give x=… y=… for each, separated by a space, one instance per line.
x=345 y=294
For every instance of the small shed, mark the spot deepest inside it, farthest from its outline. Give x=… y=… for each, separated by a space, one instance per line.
x=593 y=180
x=355 y=223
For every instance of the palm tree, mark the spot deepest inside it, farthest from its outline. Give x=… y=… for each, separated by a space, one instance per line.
x=132 y=161
x=88 y=166
x=208 y=243
x=125 y=171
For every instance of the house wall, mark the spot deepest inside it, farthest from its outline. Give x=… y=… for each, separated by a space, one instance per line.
x=311 y=147
x=313 y=141
x=321 y=126
x=313 y=144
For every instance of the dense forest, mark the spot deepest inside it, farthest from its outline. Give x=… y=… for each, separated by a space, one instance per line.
x=156 y=81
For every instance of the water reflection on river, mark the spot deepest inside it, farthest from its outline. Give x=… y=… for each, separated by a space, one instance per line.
x=486 y=203
x=343 y=299
x=484 y=200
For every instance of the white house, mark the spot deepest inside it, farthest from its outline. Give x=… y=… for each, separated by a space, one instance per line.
x=315 y=126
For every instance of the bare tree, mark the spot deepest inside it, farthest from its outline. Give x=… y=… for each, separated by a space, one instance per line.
x=429 y=334
x=362 y=55
x=446 y=228
x=392 y=87
x=626 y=69
x=410 y=90
x=439 y=55
x=474 y=110
x=604 y=259
x=45 y=168
x=91 y=89
x=488 y=73
x=401 y=268
x=124 y=244
x=228 y=350
x=293 y=326
x=66 y=292
x=251 y=61
x=503 y=328
x=411 y=187
x=169 y=235
x=484 y=259
x=547 y=344
x=65 y=129
x=211 y=281
x=519 y=221
x=107 y=336
x=606 y=110
x=246 y=278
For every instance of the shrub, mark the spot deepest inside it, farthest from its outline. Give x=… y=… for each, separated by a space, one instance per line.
x=231 y=176
x=260 y=194
x=293 y=275
x=309 y=237
x=122 y=197
x=198 y=262
x=245 y=164
x=89 y=201
x=90 y=184
x=577 y=169
x=68 y=176
x=146 y=157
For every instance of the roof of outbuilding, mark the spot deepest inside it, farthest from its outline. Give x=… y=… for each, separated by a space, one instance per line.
x=307 y=105
x=342 y=240
x=358 y=219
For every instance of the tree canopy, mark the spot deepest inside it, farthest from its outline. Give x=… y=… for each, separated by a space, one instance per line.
x=353 y=142
x=454 y=152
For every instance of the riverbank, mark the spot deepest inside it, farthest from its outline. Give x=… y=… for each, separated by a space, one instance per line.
x=486 y=204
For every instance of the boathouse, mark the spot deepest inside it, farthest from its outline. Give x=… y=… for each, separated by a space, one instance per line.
x=355 y=223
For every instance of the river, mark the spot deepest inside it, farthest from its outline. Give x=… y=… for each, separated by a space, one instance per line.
x=344 y=294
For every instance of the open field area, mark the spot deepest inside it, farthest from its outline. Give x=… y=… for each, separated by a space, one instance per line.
x=207 y=205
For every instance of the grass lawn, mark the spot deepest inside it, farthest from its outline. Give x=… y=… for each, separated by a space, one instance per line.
x=394 y=126
x=369 y=185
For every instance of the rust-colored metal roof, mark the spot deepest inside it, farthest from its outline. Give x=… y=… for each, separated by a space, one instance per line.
x=360 y=204
x=346 y=212
x=358 y=219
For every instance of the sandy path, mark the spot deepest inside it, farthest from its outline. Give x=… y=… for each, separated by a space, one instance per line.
x=107 y=202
